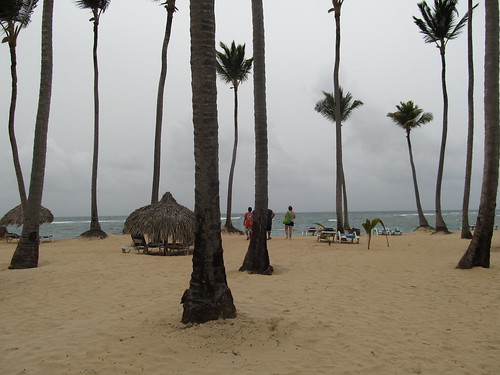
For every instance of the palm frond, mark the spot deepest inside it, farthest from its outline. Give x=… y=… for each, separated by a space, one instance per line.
x=231 y=64
x=102 y=5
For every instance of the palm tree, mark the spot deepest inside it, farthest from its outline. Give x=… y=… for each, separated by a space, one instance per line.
x=257 y=256
x=439 y=26
x=337 y=6
x=466 y=233
x=27 y=250
x=326 y=107
x=14 y=16
x=234 y=69
x=170 y=7
x=478 y=252
x=409 y=117
x=97 y=7
x=208 y=296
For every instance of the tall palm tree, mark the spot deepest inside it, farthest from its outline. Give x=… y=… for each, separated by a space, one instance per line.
x=97 y=7
x=466 y=233
x=208 y=296
x=326 y=107
x=409 y=116
x=170 y=7
x=257 y=256
x=14 y=16
x=234 y=69
x=439 y=26
x=337 y=7
x=27 y=250
x=478 y=252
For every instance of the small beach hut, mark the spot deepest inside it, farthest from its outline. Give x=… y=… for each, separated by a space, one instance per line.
x=16 y=217
x=165 y=221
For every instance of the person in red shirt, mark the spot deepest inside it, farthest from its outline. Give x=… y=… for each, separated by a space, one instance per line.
x=248 y=222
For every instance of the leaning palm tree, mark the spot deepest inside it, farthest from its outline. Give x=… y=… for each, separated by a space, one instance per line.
x=14 y=16
x=438 y=27
x=97 y=7
x=170 y=7
x=257 y=256
x=326 y=107
x=466 y=233
x=208 y=296
x=409 y=116
x=27 y=250
x=337 y=6
x=234 y=69
x=478 y=252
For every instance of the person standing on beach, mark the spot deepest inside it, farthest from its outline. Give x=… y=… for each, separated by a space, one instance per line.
x=289 y=218
x=270 y=215
x=248 y=222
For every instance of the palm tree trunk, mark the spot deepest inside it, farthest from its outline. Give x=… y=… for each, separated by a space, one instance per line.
x=229 y=206
x=347 y=226
x=466 y=233
x=337 y=4
x=159 y=108
x=208 y=296
x=95 y=227
x=27 y=250
x=422 y=221
x=440 y=224
x=257 y=256
x=478 y=252
x=12 y=134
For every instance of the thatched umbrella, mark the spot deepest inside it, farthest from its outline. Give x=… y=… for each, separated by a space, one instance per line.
x=162 y=220
x=16 y=217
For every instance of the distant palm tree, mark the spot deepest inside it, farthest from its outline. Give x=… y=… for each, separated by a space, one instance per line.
x=466 y=233
x=97 y=7
x=478 y=252
x=257 y=256
x=337 y=7
x=208 y=296
x=170 y=7
x=439 y=26
x=234 y=69
x=27 y=250
x=326 y=107
x=14 y=16
x=409 y=117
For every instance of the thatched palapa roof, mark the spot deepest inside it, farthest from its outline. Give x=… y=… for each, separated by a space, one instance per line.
x=16 y=217
x=162 y=220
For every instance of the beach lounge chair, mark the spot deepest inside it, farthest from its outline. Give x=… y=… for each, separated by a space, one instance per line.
x=311 y=231
x=346 y=238
x=396 y=232
x=48 y=238
x=12 y=236
x=326 y=235
x=138 y=244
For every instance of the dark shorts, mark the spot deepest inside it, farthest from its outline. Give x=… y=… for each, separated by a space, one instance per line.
x=290 y=224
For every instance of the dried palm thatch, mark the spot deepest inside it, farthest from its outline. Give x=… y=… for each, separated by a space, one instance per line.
x=16 y=217
x=164 y=221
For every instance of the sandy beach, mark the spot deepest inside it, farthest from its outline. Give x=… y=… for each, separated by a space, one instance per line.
x=341 y=309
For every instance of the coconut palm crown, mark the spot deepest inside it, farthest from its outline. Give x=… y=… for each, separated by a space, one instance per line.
x=326 y=106
x=410 y=116
x=232 y=66
x=439 y=24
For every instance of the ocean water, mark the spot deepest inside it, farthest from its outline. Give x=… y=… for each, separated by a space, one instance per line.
x=406 y=221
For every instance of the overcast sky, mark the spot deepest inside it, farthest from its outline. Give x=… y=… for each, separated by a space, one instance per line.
x=384 y=60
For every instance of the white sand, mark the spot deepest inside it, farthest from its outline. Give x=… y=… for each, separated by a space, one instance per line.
x=339 y=309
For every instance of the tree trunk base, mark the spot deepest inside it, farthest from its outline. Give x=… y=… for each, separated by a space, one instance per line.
x=466 y=234
x=92 y=234
x=200 y=308
x=424 y=228
x=229 y=229
x=269 y=271
x=443 y=230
